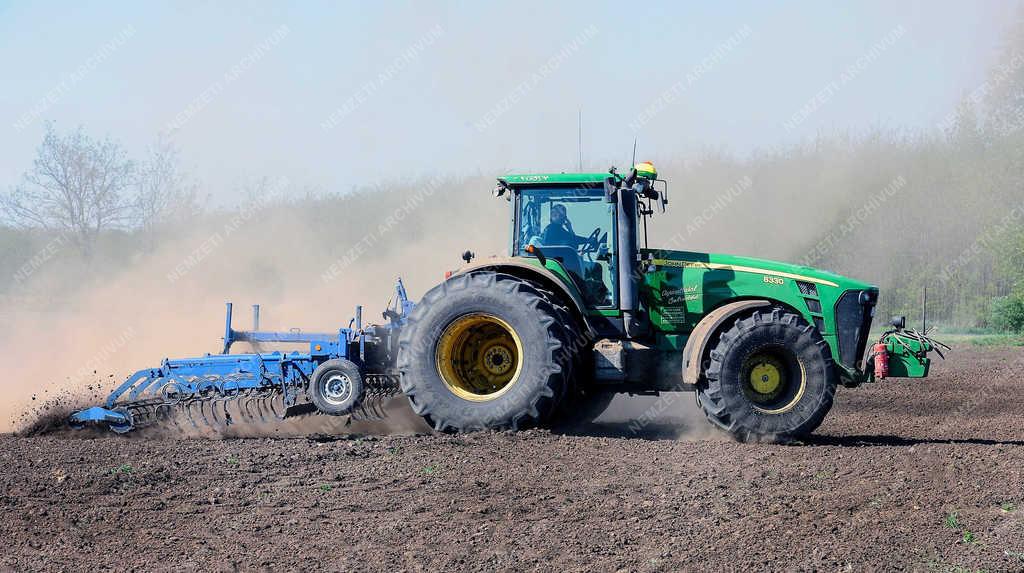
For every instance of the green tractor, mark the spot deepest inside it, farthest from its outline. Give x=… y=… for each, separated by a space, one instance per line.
x=580 y=308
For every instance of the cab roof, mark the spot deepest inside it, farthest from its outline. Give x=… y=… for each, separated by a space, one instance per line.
x=521 y=179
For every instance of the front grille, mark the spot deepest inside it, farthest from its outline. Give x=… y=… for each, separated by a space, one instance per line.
x=853 y=321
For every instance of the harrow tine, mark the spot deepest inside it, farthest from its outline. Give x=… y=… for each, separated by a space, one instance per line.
x=370 y=408
x=206 y=409
x=189 y=411
x=232 y=415
x=219 y=410
x=232 y=393
x=261 y=407
x=218 y=421
x=367 y=410
x=379 y=406
x=241 y=406
x=252 y=409
x=272 y=403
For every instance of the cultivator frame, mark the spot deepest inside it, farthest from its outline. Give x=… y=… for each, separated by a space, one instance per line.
x=222 y=389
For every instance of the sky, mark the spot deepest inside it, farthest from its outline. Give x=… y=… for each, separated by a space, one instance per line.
x=336 y=95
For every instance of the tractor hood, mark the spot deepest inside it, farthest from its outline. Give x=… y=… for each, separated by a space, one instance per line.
x=756 y=266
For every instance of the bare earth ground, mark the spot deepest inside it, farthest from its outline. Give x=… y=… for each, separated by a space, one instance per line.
x=910 y=475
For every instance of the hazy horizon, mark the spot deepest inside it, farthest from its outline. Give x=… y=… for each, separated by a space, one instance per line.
x=336 y=96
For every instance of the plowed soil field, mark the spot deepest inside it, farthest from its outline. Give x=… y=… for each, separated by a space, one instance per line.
x=919 y=475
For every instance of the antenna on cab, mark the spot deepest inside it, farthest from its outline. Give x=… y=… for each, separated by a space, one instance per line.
x=579 y=138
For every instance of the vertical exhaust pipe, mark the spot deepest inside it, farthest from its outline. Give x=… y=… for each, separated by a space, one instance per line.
x=626 y=229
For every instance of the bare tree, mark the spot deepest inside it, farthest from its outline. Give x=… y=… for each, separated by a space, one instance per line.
x=76 y=186
x=165 y=194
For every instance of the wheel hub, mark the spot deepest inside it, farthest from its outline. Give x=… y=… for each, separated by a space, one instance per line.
x=337 y=388
x=773 y=380
x=497 y=359
x=765 y=377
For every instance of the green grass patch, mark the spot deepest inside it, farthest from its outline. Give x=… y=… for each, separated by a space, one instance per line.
x=952 y=520
x=987 y=340
x=998 y=340
x=126 y=469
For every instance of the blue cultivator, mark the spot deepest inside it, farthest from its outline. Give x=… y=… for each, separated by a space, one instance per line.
x=345 y=372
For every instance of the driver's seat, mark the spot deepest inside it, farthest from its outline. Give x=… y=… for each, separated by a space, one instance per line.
x=568 y=256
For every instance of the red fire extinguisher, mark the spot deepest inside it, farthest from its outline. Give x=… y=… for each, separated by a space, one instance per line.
x=881 y=360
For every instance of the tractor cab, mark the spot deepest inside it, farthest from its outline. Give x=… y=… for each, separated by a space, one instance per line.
x=590 y=224
x=571 y=224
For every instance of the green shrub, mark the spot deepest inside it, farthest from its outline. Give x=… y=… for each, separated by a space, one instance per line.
x=1007 y=314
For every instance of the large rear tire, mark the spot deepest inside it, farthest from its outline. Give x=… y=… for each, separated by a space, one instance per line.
x=770 y=377
x=484 y=351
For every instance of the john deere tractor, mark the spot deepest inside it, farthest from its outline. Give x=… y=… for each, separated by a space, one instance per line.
x=583 y=306
x=576 y=312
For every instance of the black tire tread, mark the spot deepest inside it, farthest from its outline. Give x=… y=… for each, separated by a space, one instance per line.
x=535 y=411
x=351 y=370
x=777 y=319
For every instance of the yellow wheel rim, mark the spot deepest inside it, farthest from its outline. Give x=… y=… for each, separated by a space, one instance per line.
x=479 y=357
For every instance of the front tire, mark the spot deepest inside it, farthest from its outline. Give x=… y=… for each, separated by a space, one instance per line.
x=770 y=377
x=483 y=351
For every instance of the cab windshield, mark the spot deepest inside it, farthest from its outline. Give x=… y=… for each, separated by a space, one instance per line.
x=573 y=226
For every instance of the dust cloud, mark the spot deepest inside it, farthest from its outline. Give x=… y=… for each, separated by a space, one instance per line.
x=669 y=416
x=308 y=261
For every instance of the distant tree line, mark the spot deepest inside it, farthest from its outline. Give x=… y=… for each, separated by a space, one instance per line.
x=941 y=209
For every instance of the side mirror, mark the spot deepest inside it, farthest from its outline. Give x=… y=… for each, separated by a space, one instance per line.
x=502 y=190
x=611 y=189
x=662 y=194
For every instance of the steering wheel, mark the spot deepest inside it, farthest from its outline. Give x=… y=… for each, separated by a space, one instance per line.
x=592 y=242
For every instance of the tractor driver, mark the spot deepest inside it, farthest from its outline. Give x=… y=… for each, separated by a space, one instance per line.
x=559 y=230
